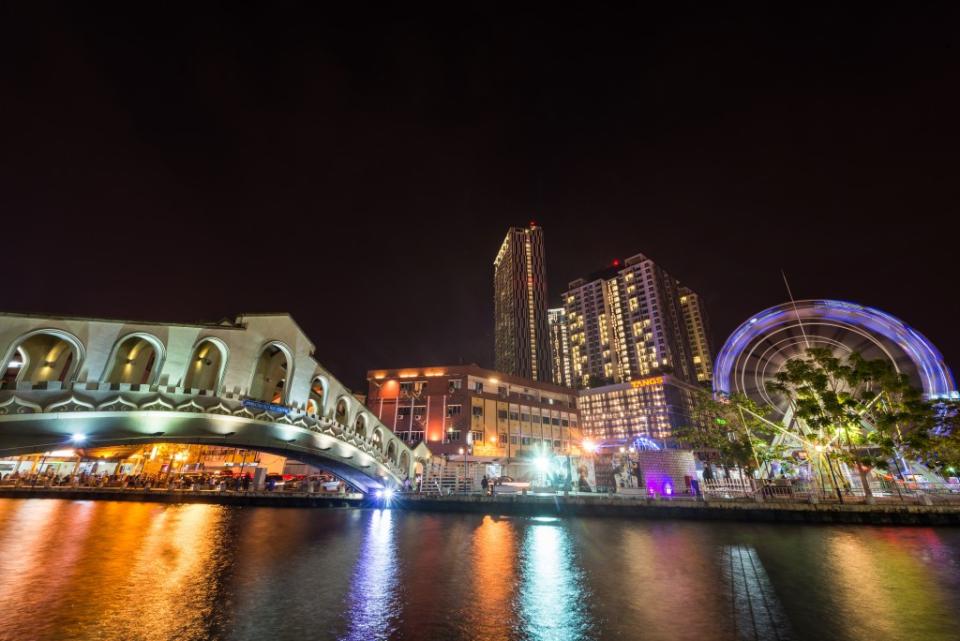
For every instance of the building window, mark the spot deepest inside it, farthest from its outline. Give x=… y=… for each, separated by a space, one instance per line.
x=477 y=436
x=454 y=385
x=502 y=440
x=524 y=440
x=477 y=411
x=478 y=387
x=513 y=440
x=514 y=416
x=502 y=415
x=453 y=436
x=454 y=411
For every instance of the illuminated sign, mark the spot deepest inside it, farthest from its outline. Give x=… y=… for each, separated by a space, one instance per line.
x=647 y=382
x=267 y=407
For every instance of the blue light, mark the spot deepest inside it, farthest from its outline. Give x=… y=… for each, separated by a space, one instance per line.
x=935 y=377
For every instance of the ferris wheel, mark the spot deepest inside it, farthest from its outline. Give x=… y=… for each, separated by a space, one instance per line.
x=762 y=346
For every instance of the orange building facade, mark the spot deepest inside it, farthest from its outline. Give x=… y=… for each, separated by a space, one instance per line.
x=466 y=406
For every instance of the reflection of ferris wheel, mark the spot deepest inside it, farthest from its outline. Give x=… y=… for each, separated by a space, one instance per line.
x=760 y=347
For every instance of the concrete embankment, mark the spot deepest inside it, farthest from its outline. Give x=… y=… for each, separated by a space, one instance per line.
x=776 y=512
x=541 y=505
x=261 y=499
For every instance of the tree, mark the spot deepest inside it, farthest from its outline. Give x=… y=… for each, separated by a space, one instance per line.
x=720 y=425
x=863 y=412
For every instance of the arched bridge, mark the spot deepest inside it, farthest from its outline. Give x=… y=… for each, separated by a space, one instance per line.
x=252 y=384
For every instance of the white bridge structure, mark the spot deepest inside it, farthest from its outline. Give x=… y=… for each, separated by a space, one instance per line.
x=252 y=383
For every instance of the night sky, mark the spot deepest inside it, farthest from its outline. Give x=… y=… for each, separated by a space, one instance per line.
x=359 y=171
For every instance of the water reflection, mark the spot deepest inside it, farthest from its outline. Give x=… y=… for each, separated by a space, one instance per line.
x=668 y=583
x=552 y=592
x=884 y=589
x=494 y=579
x=372 y=604
x=143 y=572
x=757 y=613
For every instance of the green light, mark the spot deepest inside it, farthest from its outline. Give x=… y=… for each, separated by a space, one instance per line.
x=721 y=421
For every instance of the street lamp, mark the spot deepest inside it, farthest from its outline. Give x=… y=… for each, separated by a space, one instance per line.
x=464 y=452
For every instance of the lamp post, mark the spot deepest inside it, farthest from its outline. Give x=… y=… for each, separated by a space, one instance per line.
x=464 y=481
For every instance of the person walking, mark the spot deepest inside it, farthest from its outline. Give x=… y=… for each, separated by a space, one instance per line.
x=484 y=483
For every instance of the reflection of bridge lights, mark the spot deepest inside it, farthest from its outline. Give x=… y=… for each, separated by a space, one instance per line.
x=78 y=438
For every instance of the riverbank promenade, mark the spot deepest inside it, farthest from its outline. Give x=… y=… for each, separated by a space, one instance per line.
x=912 y=510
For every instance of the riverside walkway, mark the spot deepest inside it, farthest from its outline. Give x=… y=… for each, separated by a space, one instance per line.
x=897 y=512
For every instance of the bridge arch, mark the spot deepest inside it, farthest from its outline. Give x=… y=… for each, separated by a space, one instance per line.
x=360 y=426
x=136 y=359
x=318 y=396
x=272 y=374
x=392 y=451
x=207 y=364
x=44 y=355
x=341 y=412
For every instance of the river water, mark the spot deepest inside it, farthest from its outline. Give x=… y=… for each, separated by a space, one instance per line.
x=143 y=571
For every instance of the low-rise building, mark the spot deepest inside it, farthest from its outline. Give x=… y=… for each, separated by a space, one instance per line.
x=651 y=407
x=454 y=407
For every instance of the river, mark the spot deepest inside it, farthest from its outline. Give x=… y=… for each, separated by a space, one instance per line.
x=141 y=571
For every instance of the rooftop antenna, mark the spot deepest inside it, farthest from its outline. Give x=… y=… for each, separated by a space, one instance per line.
x=795 y=310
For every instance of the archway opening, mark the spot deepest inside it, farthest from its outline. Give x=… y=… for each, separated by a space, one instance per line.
x=377 y=440
x=203 y=370
x=41 y=358
x=392 y=452
x=341 y=413
x=360 y=427
x=405 y=463
x=134 y=362
x=270 y=377
x=318 y=394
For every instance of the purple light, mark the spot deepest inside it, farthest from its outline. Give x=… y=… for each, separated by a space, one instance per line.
x=936 y=378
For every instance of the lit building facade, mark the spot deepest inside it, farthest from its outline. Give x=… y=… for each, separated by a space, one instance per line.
x=627 y=322
x=698 y=331
x=456 y=406
x=560 y=346
x=521 y=337
x=652 y=407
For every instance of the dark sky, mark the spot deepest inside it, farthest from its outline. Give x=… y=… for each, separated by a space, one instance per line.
x=360 y=171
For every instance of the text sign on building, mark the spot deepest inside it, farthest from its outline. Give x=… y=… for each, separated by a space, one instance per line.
x=647 y=382
x=266 y=407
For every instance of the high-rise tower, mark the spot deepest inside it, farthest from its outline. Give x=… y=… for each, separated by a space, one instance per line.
x=521 y=336
x=698 y=331
x=627 y=322
x=560 y=346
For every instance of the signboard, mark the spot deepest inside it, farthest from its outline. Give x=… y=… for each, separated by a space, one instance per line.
x=265 y=407
x=647 y=382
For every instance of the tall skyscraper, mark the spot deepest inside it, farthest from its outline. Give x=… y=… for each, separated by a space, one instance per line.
x=560 y=346
x=521 y=336
x=627 y=322
x=698 y=330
